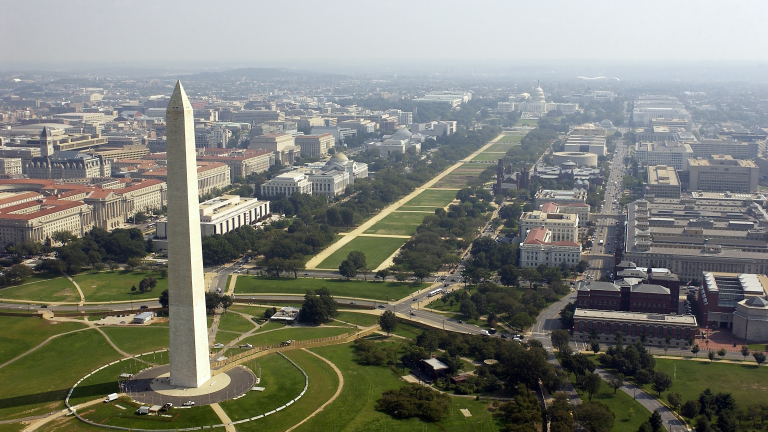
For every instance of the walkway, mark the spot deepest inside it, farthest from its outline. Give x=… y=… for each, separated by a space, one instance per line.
x=646 y=400
x=319 y=258
x=329 y=401
x=223 y=417
x=79 y=291
x=39 y=423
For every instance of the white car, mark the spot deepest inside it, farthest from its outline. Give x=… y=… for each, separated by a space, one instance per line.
x=188 y=403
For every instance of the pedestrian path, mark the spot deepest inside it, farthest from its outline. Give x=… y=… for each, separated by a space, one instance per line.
x=79 y=291
x=329 y=401
x=225 y=420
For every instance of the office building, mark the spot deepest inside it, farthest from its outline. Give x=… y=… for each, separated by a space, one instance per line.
x=663 y=182
x=223 y=214
x=539 y=248
x=650 y=107
x=689 y=236
x=256 y=116
x=10 y=167
x=210 y=176
x=329 y=183
x=283 y=145
x=723 y=173
x=315 y=145
x=667 y=153
x=738 y=150
x=664 y=133
x=579 y=209
x=339 y=133
x=563 y=226
x=560 y=197
x=721 y=292
x=241 y=163
x=38 y=220
x=652 y=328
x=586 y=138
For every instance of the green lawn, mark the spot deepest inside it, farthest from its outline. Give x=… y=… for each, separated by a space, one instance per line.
x=354 y=410
x=282 y=382
x=299 y=333
x=138 y=340
x=747 y=383
x=408 y=331
x=620 y=404
x=270 y=326
x=510 y=139
x=365 y=320
x=399 y=223
x=111 y=415
x=377 y=249
x=433 y=197
x=323 y=383
x=338 y=287
x=39 y=382
x=527 y=122
x=488 y=156
x=501 y=147
x=19 y=335
x=71 y=424
x=235 y=322
x=256 y=311
x=116 y=285
x=226 y=337
x=43 y=288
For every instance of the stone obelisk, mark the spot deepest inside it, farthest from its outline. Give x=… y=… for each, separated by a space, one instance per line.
x=188 y=348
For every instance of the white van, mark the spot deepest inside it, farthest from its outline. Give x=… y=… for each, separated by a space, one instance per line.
x=110 y=398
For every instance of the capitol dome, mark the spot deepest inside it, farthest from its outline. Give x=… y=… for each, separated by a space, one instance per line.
x=537 y=95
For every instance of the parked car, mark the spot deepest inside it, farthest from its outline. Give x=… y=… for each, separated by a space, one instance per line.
x=189 y=403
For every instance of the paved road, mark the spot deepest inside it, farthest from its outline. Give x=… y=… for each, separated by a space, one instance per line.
x=547 y=321
x=648 y=401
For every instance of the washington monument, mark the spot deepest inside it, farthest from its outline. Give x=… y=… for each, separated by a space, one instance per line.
x=188 y=348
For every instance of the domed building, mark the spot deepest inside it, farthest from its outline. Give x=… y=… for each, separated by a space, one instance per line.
x=340 y=162
x=399 y=142
x=537 y=105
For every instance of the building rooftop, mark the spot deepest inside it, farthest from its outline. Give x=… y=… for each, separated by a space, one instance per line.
x=662 y=175
x=687 y=320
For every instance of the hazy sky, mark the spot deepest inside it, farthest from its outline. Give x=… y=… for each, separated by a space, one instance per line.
x=67 y=34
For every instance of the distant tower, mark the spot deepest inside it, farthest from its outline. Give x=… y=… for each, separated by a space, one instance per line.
x=499 y=176
x=46 y=143
x=188 y=345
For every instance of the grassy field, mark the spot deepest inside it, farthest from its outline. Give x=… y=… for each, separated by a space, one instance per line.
x=510 y=139
x=116 y=285
x=43 y=288
x=256 y=311
x=487 y=156
x=282 y=382
x=747 y=383
x=620 y=404
x=111 y=415
x=137 y=340
x=39 y=382
x=527 y=122
x=377 y=249
x=71 y=424
x=408 y=331
x=300 y=333
x=235 y=322
x=323 y=383
x=361 y=319
x=433 y=198
x=399 y=223
x=354 y=410
x=338 y=287
x=226 y=337
x=501 y=147
x=19 y=335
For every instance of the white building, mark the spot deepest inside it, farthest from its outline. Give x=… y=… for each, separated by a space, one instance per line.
x=399 y=142
x=223 y=214
x=538 y=248
x=579 y=209
x=340 y=162
x=287 y=184
x=536 y=106
x=329 y=183
x=667 y=153
x=586 y=138
x=562 y=226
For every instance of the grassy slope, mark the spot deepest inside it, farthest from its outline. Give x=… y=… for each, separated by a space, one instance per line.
x=338 y=287
x=37 y=287
x=235 y=322
x=398 y=223
x=366 y=320
x=137 y=340
x=302 y=333
x=116 y=285
x=19 y=335
x=38 y=383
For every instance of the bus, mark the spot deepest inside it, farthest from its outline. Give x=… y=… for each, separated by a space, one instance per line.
x=434 y=293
